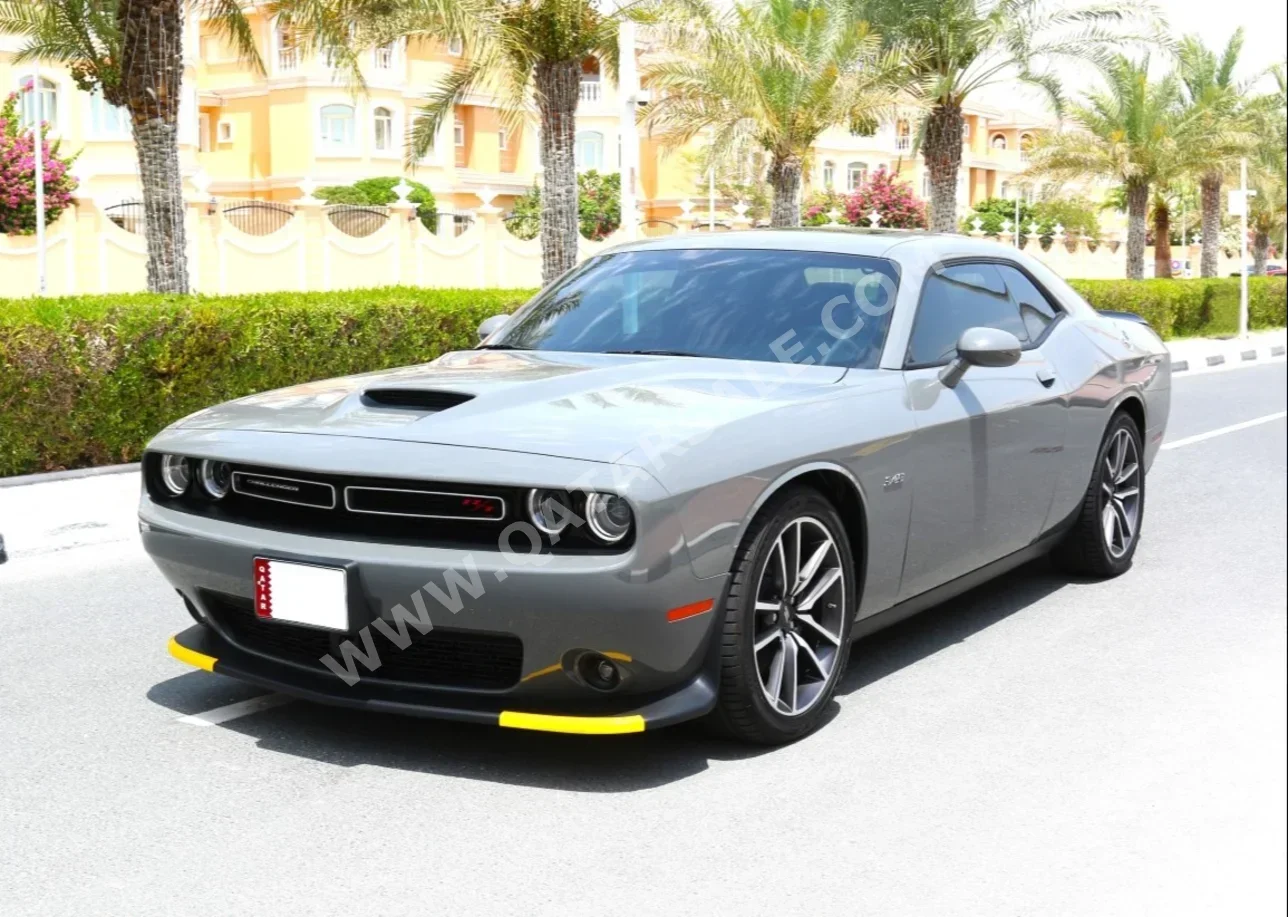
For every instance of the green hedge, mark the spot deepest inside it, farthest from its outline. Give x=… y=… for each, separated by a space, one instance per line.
x=89 y=380
x=1188 y=308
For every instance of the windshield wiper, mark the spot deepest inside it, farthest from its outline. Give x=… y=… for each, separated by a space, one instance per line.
x=500 y=347
x=657 y=353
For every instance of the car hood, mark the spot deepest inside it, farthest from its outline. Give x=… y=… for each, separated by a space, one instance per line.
x=597 y=407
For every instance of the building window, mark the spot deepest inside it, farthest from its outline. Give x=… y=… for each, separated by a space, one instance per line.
x=382 y=130
x=590 y=150
x=384 y=57
x=107 y=121
x=224 y=132
x=458 y=132
x=455 y=47
x=925 y=186
x=287 y=54
x=829 y=174
x=45 y=95
x=502 y=139
x=1026 y=144
x=1005 y=193
x=856 y=173
x=903 y=136
x=337 y=128
x=965 y=131
x=999 y=142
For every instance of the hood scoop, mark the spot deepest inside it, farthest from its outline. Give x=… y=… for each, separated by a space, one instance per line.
x=413 y=399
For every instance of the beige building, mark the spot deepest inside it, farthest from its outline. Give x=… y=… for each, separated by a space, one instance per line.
x=247 y=135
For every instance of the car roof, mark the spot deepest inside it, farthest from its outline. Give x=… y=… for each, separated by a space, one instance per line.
x=876 y=243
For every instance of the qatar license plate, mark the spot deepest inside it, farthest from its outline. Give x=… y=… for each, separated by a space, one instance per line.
x=301 y=594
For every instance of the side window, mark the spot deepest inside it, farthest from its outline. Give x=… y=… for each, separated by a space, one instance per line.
x=1036 y=311
x=955 y=298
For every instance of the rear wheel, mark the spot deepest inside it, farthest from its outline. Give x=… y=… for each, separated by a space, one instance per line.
x=1104 y=538
x=786 y=633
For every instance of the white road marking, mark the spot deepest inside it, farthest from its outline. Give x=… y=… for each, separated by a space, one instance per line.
x=1221 y=431
x=239 y=709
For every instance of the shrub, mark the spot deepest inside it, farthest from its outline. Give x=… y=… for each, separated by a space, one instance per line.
x=1185 y=308
x=18 y=175
x=89 y=380
x=378 y=191
x=894 y=200
x=599 y=207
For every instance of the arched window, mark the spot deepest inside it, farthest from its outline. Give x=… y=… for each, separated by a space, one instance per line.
x=925 y=186
x=336 y=128
x=382 y=130
x=104 y=121
x=903 y=136
x=590 y=150
x=856 y=173
x=1026 y=144
x=829 y=174
x=45 y=96
x=999 y=142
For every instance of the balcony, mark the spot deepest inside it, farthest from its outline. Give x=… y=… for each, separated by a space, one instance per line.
x=592 y=91
x=288 y=59
x=903 y=144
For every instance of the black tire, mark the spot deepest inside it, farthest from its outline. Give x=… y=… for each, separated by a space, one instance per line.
x=742 y=708
x=1086 y=549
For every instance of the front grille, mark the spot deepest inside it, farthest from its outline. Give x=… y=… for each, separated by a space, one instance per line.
x=441 y=658
x=418 y=513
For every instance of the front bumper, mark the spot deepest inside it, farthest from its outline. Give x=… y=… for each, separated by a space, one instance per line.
x=201 y=647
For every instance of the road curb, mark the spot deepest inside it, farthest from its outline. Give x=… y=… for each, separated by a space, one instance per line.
x=1195 y=357
x=73 y=474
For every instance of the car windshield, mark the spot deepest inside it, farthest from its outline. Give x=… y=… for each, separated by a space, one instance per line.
x=742 y=304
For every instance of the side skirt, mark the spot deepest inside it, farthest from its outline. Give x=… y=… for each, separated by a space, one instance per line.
x=942 y=593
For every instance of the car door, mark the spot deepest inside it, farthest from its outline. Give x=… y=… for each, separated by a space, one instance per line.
x=985 y=460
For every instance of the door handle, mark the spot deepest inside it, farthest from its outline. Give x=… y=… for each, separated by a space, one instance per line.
x=1046 y=377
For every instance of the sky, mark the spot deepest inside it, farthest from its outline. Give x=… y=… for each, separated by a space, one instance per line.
x=1265 y=27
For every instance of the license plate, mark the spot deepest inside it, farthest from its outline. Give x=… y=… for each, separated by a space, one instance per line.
x=301 y=594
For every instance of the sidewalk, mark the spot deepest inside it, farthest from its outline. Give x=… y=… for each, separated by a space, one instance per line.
x=1197 y=355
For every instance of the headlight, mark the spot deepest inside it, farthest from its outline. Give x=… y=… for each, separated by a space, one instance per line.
x=609 y=517
x=216 y=478
x=176 y=473
x=550 y=510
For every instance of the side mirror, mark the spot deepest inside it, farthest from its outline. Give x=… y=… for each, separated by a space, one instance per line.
x=492 y=325
x=981 y=347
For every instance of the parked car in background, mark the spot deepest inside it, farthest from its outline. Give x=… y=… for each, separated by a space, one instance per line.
x=678 y=483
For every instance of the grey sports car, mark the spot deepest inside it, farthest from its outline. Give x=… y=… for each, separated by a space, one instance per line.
x=678 y=483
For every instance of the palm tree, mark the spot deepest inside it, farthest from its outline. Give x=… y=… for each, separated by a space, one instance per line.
x=1268 y=213
x=1207 y=80
x=1129 y=132
x=517 y=51
x=132 y=52
x=772 y=75
x=963 y=46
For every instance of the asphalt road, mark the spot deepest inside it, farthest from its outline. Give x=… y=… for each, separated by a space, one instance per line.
x=1038 y=747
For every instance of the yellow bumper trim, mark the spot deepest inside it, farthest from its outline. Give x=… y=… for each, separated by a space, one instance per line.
x=192 y=657
x=581 y=725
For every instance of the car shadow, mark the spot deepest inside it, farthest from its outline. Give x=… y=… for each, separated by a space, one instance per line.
x=617 y=764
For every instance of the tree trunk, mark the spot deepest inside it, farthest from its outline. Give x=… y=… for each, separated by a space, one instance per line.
x=942 y=150
x=785 y=177
x=1137 y=211
x=1260 y=252
x=1210 y=189
x=558 y=86
x=1162 y=239
x=152 y=79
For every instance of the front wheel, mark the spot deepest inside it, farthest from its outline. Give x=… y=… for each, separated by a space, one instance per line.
x=786 y=633
x=1104 y=538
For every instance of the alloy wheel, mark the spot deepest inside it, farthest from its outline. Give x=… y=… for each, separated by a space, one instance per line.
x=800 y=604
x=1120 y=486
